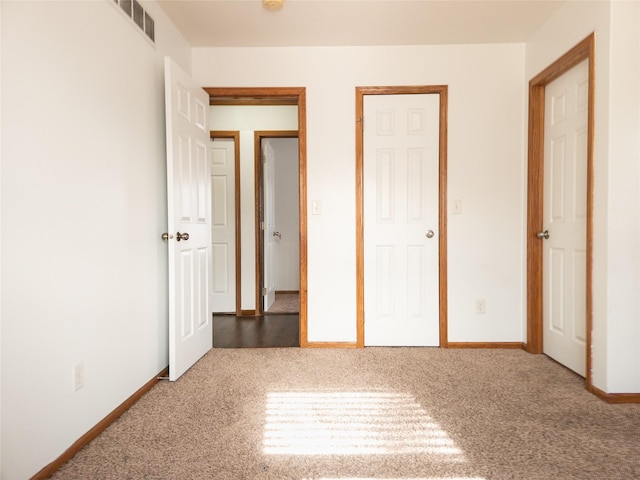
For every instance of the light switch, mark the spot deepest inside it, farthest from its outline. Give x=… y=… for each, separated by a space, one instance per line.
x=316 y=208
x=456 y=206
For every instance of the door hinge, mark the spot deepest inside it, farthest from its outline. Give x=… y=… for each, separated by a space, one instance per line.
x=264 y=291
x=261 y=225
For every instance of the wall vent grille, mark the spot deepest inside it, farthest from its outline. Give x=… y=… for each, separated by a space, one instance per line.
x=149 y=27
x=139 y=15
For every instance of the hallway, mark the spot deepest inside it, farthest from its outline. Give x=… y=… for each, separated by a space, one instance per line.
x=264 y=331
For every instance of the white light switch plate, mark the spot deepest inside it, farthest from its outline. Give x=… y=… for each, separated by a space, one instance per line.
x=456 y=206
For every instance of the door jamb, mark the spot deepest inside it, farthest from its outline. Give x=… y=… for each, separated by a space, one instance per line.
x=258 y=136
x=583 y=50
x=235 y=135
x=442 y=90
x=281 y=96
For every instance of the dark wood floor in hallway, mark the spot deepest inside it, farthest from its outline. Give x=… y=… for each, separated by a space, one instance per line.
x=265 y=331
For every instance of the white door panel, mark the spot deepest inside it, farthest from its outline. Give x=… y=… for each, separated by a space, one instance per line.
x=268 y=173
x=564 y=252
x=223 y=227
x=401 y=178
x=287 y=216
x=189 y=212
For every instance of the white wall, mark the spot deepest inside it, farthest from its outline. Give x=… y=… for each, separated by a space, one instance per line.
x=623 y=326
x=0 y=243
x=486 y=169
x=247 y=120
x=616 y=255
x=84 y=273
x=286 y=251
x=83 y=196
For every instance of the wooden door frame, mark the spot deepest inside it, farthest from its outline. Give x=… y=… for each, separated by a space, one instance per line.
x=535 y=204
x=280 y=96
x=235 y=136
x=258 y=136
x=441 y=90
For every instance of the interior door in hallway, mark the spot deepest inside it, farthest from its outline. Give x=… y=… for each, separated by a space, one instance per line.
x=401 y=169
x=564 y=218
x=268 y=224
x=223 y=224
x=189 y=220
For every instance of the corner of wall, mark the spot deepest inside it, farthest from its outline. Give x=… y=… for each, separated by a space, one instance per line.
x=1 y=240
x=616 y=262
x=623 y=319
x=169 y=40
x=570 y=24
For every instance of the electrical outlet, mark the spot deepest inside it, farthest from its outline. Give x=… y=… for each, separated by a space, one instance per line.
x=481 y=306
x=78 y=376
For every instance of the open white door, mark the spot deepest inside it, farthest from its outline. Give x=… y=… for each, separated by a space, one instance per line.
x=189 y=220
x=565 y=216
x=268 y=174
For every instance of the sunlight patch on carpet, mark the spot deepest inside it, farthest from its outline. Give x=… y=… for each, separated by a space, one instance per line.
x=353 y=423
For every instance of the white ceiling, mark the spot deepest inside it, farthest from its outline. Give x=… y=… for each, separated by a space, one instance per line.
x=245 y=23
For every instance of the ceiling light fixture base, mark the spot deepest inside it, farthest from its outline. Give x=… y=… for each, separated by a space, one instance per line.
x=272 y=5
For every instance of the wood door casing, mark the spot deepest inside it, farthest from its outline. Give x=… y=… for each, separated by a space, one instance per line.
x=280 y=96
x=441 y=90
x=258 y=136
x=535 y=206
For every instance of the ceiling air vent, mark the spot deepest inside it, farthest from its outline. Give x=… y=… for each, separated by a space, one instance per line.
x=149 y=27
x=126 y=5
x=139 y=15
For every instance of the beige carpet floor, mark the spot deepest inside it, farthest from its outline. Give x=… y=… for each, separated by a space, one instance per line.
x=286 y=303
x=375 y=413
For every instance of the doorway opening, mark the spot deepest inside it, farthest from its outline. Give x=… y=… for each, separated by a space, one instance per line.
x=229 y=279
x=277 y=222
x=361 y=92
x=295 y=96
x=535 y=204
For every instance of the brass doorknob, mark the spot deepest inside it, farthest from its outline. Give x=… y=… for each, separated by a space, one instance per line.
x=182 y=236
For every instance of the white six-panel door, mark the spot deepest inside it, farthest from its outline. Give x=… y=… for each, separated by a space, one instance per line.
x=189 y=220
x=564 y=218
x=401 y=177
x=223 y=224
x=268 y=174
